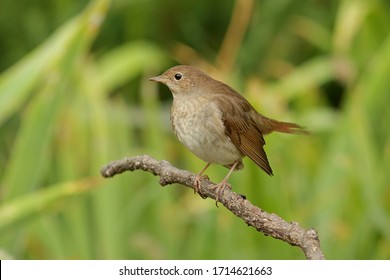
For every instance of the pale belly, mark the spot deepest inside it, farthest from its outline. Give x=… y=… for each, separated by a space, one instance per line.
x=201 y=130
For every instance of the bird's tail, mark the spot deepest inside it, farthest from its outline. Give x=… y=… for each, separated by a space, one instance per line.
x=269 y=125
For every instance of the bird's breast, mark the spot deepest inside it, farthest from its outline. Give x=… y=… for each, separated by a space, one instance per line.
x=197 y=123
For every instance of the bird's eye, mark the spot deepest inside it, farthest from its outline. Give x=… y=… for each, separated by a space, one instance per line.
x=178 y=76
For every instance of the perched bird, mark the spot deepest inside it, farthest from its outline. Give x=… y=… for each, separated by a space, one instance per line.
x=216 y=123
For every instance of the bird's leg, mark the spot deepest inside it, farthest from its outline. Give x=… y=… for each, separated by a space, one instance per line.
x=220 y=188
x=198 y=177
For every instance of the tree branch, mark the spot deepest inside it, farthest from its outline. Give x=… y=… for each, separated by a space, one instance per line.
x=267 y=223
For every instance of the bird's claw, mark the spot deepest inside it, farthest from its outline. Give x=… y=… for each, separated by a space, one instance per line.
x=220 y=189
x=197 y=184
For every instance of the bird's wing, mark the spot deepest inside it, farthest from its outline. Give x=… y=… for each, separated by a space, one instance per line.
x=241 y=128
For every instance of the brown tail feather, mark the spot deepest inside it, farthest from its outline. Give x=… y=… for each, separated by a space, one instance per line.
x=268 y=125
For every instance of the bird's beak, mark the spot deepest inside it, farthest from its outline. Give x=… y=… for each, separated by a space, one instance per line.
x=155 y=79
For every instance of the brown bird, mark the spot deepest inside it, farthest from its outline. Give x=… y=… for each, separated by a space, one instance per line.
x=216 y=123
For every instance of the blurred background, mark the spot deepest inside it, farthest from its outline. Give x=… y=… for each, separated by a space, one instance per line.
x=75 y=95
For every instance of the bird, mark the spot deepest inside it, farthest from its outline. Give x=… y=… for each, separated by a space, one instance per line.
x=218 y=124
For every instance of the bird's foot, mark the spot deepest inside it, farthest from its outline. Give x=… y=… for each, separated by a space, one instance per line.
x=220 y=189
x=197 y=188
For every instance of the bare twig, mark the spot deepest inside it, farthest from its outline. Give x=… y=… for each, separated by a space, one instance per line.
x=267 y=223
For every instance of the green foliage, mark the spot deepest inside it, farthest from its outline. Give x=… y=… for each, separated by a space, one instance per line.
x=81 y=98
